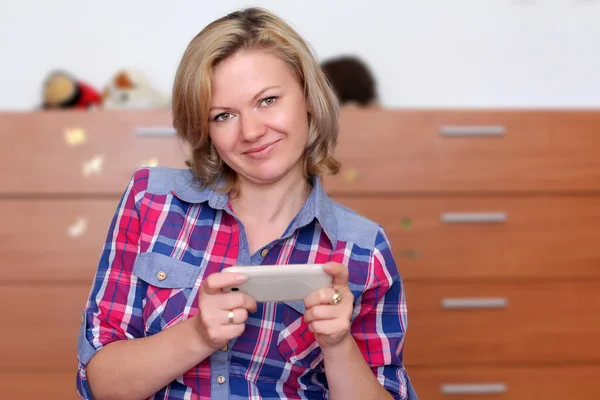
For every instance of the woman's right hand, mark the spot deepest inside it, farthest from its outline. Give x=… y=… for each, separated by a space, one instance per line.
x=214 y=306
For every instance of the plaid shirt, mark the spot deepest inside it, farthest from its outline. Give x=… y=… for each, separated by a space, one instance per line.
x=168 y=234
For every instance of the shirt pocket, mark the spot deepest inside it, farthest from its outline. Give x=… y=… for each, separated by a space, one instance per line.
x=170 y=286
x=296 y=342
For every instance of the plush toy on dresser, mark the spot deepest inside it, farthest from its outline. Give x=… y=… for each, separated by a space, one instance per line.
x=131 y=88
x=62 y=90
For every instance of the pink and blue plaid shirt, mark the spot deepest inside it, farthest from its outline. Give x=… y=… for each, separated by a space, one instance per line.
x=168 y=234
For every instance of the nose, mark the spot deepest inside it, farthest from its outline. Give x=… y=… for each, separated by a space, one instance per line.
x=252 y=127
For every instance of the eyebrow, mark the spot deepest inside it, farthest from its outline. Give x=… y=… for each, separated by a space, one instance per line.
x=260 y=93
x=256 y=96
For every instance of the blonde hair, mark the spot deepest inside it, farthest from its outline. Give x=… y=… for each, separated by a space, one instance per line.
x=249 y=29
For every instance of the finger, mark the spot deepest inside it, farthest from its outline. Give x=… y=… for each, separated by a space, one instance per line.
x=233 y=331
x=217 y=281
x=319 y=296
x=338 y=272
x=225 y=333
x=215 y=316
x=329 y=326
x=322 y=312
x=240 y=315
x=228 y=301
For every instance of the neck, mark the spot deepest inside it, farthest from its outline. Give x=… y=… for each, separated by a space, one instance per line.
x=276 y=202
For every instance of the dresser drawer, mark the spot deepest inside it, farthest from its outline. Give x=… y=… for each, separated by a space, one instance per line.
x=53 y=239
x=511 y=383
x=487 y=323
x=386 y=151
x=539 y=323
x=83 y=152
x=458 y=237
x=39 y=385
x=43 y=328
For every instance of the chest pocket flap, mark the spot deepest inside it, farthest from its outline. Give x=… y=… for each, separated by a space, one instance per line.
x=165 y=272
x=170 y=289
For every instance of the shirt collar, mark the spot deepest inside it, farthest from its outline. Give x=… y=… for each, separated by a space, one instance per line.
x=189 y=189
x=318 y=205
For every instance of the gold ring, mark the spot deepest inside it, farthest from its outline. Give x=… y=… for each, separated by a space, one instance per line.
x=337 y=297
x=230 y=315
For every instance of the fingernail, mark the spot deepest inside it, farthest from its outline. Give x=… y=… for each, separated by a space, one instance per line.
x=241 y=278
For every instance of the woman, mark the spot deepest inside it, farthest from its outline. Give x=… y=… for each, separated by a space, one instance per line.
x=252 y=102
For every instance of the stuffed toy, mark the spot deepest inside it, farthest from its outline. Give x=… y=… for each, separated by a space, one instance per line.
x=131 y=88
x=352 y=81
x=63 y=91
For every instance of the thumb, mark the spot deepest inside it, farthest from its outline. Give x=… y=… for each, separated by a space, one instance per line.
x=338 y=272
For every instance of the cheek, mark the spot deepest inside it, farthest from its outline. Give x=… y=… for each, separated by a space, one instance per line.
x=223 y=138
x=293 y=123
x=301 y=124
x=302 y=130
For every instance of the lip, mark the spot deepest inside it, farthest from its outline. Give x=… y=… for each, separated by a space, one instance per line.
x=258 y=149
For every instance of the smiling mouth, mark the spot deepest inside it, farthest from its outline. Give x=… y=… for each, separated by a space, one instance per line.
x=261 y=148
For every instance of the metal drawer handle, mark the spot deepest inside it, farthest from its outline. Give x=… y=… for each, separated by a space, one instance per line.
x=473 y=302
x=154 y=131
x=451 y=130
x=473 y=388
x=473 y=217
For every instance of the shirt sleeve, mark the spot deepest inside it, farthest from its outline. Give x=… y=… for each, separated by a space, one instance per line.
x=114 y=306
x=380 y=321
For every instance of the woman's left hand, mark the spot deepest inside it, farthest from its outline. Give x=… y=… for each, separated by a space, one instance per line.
x=329 y=322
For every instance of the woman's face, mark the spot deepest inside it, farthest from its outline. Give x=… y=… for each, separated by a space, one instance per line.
x=258 y=117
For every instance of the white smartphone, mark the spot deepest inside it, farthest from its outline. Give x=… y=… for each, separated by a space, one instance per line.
x=280 y=282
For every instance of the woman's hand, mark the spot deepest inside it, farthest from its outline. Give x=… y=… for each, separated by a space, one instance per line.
x=329 y=322
x=222 y=316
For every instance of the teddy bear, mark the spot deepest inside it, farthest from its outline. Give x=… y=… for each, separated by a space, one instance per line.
x=131 y=88
x=62 y=90
x=352 y=81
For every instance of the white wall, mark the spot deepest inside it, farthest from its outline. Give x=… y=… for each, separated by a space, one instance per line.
x=425 y=53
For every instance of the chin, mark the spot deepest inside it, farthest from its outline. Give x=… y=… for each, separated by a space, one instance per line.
x=266 y=177
x=269 y=174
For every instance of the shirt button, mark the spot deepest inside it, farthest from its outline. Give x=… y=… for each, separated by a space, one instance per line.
x=221 y=379
x=264 y=252
x=224 y=348
x=161 y=276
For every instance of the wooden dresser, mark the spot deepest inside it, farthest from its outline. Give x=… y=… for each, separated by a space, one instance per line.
x=63 y=174
x=494 y=217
